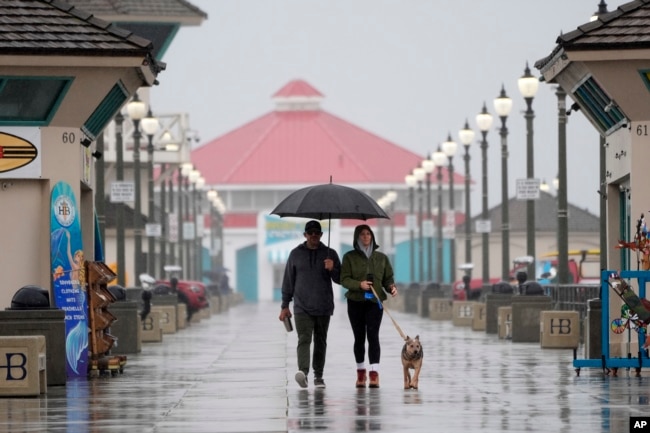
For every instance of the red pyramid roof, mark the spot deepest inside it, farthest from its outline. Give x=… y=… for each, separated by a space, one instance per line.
x=297 y=88
x=302 y=144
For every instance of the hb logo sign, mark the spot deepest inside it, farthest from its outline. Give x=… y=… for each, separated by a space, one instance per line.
x=639 y=424
x=15 y=363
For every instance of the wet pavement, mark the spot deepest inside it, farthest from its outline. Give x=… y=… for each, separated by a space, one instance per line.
x=234 y=372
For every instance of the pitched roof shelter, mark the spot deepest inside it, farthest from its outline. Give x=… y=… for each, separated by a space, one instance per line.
x=299 y=143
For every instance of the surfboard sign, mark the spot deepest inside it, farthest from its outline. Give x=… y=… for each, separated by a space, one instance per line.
x=19 y=155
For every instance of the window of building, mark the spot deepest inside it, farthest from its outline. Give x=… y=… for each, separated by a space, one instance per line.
x=30 y=100
x=265 y=199
x=241 y=200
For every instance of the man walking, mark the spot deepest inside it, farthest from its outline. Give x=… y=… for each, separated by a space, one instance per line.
x=308 y=275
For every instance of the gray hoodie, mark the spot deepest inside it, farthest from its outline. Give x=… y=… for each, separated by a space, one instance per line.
x=308 y=283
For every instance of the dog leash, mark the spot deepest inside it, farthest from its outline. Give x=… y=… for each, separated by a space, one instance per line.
x=401 y=333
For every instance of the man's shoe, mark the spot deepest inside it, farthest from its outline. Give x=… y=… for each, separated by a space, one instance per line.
x=374 y=379
x=301 y=378
x=319 y=382
x=361 y=378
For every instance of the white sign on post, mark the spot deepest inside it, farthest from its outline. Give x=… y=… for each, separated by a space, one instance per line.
x=483 y=226
x=411 y=221
x=188 y=230
x=528 y=189
x=172 y=221
x=122 y=192
x=427 y=228
x=153 y=230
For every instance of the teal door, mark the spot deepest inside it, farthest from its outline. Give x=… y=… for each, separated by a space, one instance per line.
x=247 y=273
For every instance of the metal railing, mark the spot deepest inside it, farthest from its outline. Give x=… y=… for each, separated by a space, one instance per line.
x=571 y=297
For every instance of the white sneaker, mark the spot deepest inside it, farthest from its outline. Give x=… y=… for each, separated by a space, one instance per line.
x=301 y=378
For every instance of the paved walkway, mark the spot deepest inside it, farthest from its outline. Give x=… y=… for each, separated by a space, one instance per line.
x=234 y=372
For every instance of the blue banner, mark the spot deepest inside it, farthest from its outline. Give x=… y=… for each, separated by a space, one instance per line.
x=68 y=277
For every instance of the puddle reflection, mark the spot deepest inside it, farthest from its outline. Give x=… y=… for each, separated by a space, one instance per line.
x=368 y=410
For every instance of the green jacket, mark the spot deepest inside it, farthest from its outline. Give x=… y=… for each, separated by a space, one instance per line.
x=356 y=266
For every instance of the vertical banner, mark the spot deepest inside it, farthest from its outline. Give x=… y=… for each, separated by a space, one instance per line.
x=68 y=277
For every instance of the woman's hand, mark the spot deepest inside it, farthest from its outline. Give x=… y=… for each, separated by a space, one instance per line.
x=393 y=290
x=365 y=285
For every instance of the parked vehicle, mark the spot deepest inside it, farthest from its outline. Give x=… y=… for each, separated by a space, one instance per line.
x=584 y=268
x=194 y=291
x=459 y=293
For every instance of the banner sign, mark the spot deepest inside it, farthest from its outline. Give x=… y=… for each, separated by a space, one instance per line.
x=68 y=277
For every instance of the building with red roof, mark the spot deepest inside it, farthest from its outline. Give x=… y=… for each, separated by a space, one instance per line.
x=295 y=145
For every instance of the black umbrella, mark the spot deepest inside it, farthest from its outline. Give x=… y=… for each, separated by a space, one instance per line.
x=327 y=201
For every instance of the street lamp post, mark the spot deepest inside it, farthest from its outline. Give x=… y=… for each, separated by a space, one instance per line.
x=119 y=209
x=136 y=110
x=449 y=148
x=420 y=174
x=410 y=181
x=167 y=217
x=163 y=226
x=466 y=136
x=439 y=160
x=502 y=106
x=602 y=9
x=428 y=167
x=562 y=205
x=183 y=253
x=212 y=195
x=221 y=210
x=484 y=122
x=191 y=244
x=150 y=127
x=528 y=85
x=198 y=186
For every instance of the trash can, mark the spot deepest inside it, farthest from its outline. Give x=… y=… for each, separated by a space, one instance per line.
x=32 y=314
x=593 y=329
x=411 y=298
x=30 y=298
x=532 y=288
x=503 y=288
x=432 y=290
x=118 y=292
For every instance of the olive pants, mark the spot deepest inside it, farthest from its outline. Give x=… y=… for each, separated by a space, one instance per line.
x=308 y=327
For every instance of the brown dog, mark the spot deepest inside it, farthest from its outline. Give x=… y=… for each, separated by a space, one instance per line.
x=412 y=359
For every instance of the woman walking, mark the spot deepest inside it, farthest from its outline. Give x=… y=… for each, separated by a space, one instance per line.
x=363 y=269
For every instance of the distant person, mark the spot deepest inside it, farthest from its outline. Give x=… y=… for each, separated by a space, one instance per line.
x=531 y=288
x=308 y=275
x=467 y=285
x=364 y=269
x=224 y=283
x=521 y=278
x=146 y=300
x=182 y=297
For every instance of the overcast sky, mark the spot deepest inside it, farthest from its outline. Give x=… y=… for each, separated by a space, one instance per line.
x=410 y=71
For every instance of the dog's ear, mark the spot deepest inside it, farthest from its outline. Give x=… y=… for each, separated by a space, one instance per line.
x=417 y=337
x=407 y=338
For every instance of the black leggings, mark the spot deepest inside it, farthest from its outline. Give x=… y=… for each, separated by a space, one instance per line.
x=365 y=318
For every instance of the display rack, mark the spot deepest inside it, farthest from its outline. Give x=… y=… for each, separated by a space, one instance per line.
x=607 y=362
x=100 y=320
